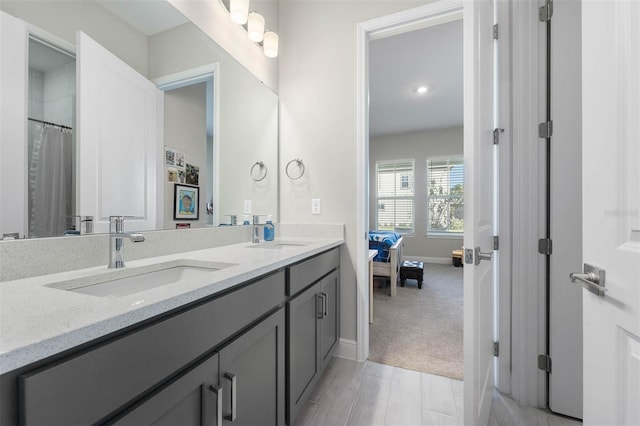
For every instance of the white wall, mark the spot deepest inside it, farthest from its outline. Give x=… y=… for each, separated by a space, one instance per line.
x=62 y=17
x=318 y=120
x=212 y=18
x=417 y=146
x=248 y=118
x=185 y=128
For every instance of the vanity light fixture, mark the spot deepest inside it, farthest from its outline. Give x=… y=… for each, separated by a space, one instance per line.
x=239 y=11
x=255 y=27
x=270 y=44
x=421 y=90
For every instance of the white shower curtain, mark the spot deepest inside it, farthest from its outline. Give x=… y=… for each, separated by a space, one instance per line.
x=50 y=180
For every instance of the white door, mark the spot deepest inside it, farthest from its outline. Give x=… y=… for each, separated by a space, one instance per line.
x=478 y=214
x=611 y=209
x=13 y=118
x=119 y=131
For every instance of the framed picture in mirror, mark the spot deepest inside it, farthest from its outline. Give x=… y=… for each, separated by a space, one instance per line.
x=186 y=199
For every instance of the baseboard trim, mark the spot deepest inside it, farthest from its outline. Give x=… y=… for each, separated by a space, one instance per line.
x=438 y=260
x=347 y=349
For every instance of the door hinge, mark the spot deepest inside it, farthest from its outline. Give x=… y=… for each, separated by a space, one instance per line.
x=496 y=348
x=544 y=363
x=545 y=130
x=545 y=246
x=496 y=242
x=546 y=11
x=496 y=135
x=495 y=32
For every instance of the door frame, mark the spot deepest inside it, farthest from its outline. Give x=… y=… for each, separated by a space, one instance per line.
x=417 y=18
x=187 y=78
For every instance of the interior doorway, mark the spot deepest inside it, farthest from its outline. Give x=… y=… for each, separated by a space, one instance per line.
x=416 y=181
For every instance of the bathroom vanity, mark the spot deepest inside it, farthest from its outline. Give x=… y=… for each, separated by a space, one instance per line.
x=242 y=344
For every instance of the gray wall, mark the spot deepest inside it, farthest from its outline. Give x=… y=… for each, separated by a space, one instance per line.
x=318 y=100
x=185 y=128
x=417 y=146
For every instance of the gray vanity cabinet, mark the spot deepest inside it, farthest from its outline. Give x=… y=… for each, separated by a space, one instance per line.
x=252 y=375
x=99 y=383
x=313 y=325
x=244 y=381
x=192 y=399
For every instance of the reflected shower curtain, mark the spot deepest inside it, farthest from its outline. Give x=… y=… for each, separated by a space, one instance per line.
x=50 y=180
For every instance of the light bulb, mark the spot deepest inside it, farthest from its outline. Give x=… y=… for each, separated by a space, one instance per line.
x=255 y=27
x=238 y=11
x=270 y=44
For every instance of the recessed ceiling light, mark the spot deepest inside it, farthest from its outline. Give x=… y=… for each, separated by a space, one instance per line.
x=421 y=90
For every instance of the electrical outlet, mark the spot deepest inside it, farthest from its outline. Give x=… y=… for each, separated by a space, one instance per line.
x=315 y=206
x=247 y=206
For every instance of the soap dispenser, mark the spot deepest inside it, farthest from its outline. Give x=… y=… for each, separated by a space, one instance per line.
x=245 y=219
x=269 y=229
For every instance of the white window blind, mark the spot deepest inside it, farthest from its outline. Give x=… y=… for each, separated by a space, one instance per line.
x=445 y=195
x=395 y=190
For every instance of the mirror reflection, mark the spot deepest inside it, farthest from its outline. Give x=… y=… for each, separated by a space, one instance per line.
x=95 y=147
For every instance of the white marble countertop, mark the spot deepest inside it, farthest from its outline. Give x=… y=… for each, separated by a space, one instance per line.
x=37 y=321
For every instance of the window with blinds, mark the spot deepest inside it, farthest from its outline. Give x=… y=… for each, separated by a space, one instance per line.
x=395 y=190
x=445 y=195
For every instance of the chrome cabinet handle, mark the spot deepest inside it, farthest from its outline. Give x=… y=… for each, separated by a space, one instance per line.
x=217 y=390
x=319 y=306
x=325 y=303
x=234 y=384
x=592 y=279
x=480 y=255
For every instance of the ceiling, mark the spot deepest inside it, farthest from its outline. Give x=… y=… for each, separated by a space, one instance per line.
x=399 y=64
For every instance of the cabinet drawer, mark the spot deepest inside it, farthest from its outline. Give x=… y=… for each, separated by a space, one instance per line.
x=89 y=386
x=311 y=270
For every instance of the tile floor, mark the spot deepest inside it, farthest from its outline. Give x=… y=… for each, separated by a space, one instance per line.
x=369 y=393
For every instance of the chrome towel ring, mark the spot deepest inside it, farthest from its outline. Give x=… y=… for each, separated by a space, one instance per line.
x=289 y=171
x=260 y=174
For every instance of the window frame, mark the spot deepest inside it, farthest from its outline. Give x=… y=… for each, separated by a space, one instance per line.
x=443 y=233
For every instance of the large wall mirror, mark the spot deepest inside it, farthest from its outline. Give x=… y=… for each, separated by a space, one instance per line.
x=210 y=126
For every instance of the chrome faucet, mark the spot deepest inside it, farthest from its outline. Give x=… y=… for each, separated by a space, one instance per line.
x=116 y=243
x=256 y=227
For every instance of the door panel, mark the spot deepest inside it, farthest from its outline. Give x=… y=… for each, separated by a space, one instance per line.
x=118 y=139
x=329 y=331
x=13 y=118
x=611 y=202
x=479 y=206
x=257 y=360
x=189 y=400
x=565 y=299
x=303 y=344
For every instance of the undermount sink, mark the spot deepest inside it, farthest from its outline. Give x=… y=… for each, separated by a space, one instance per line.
x=128 y=281
x=279 y=244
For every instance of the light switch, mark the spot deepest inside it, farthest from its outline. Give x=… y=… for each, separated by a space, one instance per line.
x=315 y=206
x=247 y=206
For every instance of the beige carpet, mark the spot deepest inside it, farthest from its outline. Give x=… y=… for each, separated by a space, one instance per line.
x=420 y=329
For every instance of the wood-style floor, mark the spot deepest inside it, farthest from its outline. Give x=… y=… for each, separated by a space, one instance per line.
x=369 y=393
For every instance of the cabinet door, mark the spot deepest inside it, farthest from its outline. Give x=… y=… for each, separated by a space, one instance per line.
x=330 y=318
x=191 y=399
x=304 y=365
x=252 y=375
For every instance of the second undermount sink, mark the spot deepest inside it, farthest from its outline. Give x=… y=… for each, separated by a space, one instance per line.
x=127 y=281
x=279 y=244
